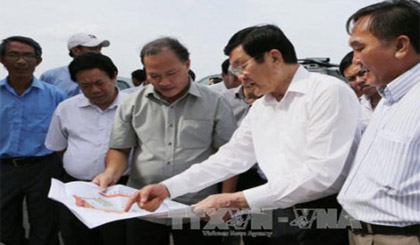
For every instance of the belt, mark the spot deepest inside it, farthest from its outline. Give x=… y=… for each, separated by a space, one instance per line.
x=22 y=161
x=412 y=230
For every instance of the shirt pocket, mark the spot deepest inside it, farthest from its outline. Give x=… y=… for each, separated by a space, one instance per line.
x=195 y=133
x=394 y=164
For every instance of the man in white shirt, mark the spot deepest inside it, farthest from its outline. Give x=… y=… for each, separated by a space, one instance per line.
x=229 y=81
x=300 y=133
x=382 y=189
x=80 y=130
x=362 y=81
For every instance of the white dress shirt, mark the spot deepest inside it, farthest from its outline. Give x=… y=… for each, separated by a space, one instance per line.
x=300 y=142
x=366 y=112
x=383 y=186
x=219 y=88
x=83 y=130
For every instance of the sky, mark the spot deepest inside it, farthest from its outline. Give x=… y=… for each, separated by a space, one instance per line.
x=315 y=27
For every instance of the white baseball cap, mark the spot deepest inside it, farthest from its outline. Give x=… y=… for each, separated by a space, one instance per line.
x=86 y=40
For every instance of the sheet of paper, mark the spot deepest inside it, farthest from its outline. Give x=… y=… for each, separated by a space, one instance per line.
x=94 y=208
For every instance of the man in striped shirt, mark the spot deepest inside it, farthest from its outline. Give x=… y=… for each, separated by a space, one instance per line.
x=382 y=190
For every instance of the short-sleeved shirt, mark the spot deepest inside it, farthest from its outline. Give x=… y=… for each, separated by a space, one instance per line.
x=25 y=119
x=83 y=130
x=169 y=138
x=60 y=77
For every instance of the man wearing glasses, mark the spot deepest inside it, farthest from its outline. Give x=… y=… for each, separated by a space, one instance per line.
x=361 y=80
x=300 y=132
x=26 y=166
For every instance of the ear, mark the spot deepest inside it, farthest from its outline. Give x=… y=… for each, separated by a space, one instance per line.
x=114 y=79
x=402 y=46
x=188 y=63
x=38 y=61
x=74 y=52
x=275 y=56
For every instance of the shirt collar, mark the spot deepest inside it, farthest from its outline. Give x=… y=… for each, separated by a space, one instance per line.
x=35 y=83
x=151 y=92
x=398 y=87
x=239 y=92
x=85 y=102
x=297 y=85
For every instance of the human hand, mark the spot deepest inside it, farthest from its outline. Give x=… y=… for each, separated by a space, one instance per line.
x=103 y=180
x=220 y=207
x=149 y=197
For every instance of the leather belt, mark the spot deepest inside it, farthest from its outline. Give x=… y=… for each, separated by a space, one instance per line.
x=412 y=230
x=22 y=161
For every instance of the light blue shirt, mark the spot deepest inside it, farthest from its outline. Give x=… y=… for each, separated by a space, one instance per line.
x=383 y=186
x=25 y=119
x=60 y=77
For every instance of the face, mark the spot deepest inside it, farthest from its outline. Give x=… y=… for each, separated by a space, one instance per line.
x=376 y=56
x=361 y=80
x=168 y=74
x=231 y=81
x=20 y=60
x=136 y=82
x=76 y=51
x=97 y=86
x=254 y=76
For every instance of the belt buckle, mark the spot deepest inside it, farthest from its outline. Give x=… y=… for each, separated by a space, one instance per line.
x=16 y=161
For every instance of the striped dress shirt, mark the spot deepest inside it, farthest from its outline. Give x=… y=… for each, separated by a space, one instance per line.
x=383 y=186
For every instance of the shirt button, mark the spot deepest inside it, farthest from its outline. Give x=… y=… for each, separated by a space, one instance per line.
x=168 y=163
x=170 y=143
x=171 y=125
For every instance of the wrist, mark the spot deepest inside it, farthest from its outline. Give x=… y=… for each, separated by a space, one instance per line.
x=238 y=200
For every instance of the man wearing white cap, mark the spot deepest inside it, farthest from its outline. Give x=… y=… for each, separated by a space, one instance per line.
x=77 y=44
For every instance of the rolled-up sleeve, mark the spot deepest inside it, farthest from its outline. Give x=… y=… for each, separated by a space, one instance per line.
x=123 y=135
x=57 y=135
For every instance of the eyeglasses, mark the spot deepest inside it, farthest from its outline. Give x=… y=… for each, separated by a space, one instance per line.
x=240 y=69
x=26 y=56
x=99 y=83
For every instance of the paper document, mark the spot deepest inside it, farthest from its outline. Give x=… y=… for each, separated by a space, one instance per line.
x=95 y=208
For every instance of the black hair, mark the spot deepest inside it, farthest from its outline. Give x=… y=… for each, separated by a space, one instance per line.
x=158 y=45
x=346 y=62
x=139 y=74
x=21 y=39
x=390 y=19
x=91 y=60
x=257 y=40
x=225 y=66
x=192 y=74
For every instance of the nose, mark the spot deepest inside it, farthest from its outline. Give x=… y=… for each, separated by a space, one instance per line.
x=164 y=81
x=356 y=60
x=242 y=77
x=21 y=60
x=95 y=89
x=360 y=80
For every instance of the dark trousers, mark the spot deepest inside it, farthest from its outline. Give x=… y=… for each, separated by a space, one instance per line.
x=297 y=228
x=32 y=182
x=145 y=232
x=75 y=232
x=248 y=179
